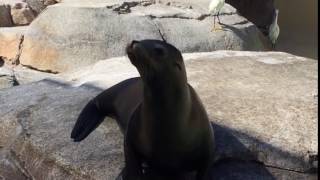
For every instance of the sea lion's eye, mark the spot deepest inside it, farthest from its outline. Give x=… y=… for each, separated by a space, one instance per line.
x=159 y=51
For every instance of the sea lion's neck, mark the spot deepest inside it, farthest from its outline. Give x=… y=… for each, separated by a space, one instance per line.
x=167 y=101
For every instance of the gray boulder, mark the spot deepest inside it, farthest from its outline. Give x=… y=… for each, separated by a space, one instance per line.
x=259 y=12
x=17 y=75
x=19 y=11
x=39 y=5
x=68 y=36
x=263 y=107
x=22 y=14
x=7 y=78
x=5 y=16
x=44 y=145
x=25 y=75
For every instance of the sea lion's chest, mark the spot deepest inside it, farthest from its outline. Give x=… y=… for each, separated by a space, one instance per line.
x=167 y=145
x=170 y=154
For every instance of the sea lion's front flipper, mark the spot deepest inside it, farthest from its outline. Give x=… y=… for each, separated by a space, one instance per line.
x=118 y=102
x=89 y=119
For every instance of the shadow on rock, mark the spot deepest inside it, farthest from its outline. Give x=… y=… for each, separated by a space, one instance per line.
x=240 y=170
x=233 y=159
x=240 y=156
x=1 y=61
x=242 y=34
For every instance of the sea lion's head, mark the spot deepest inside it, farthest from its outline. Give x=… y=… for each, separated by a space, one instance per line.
x=157 y=61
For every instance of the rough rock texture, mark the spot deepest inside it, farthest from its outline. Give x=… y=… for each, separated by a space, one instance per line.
x=5 y=16
x=37 y=131
x=10 y=43
x=26 y=75
x=20 y=12
x=39 y=5
x=263 y=106
x=270 y=97
x=7 y=78
x=243 y=170
x=68 y=36
x=9 y=168
x=17 y=75
x=259 y=12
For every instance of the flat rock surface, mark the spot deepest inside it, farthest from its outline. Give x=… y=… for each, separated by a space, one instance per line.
x=72 y=35
x=271 y=97
x=37 y=131
x=263 y=106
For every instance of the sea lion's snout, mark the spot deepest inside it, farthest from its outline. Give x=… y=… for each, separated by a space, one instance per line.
x=145 y=52
x=130 y=51
x=155 y=58
x=134 y=42
x=130 y=47
x=138 y=54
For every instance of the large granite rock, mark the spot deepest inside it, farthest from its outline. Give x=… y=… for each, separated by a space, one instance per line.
x=39 y=5
x=68 y=36
x=25 y=75
x=272 y=97
x=7 y=78
x=17 y=75
x=42 y=140
x=259 y=12
x=263 y=106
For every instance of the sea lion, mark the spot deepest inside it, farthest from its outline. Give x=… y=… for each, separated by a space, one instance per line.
x=166 y=128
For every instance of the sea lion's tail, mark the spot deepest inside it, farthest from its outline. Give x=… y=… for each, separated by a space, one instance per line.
x=89 y=119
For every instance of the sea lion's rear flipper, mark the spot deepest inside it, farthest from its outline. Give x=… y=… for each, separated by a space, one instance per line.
x=89 y=119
